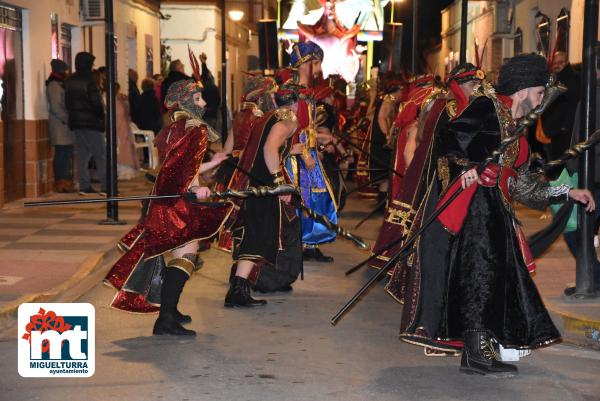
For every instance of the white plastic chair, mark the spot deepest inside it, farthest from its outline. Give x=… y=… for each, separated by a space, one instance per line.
x=144 y=139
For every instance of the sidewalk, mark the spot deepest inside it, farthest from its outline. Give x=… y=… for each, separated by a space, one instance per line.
x=579 y=321
x=47 y=250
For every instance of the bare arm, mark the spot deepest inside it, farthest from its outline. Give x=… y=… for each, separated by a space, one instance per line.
x=383 y=117
x=228 y=148
x=214 y=162
x=412 y=141
x=277 y=137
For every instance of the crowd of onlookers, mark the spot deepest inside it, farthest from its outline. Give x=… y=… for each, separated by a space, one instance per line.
x=77 y=119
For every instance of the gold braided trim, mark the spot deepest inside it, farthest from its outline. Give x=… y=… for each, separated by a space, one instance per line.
x=443 y=172
x=451 y=108
x=403 y=215
x=194 y=122
x=183 y=264
x=180 y=114
x=389 y=98
x=285 y=115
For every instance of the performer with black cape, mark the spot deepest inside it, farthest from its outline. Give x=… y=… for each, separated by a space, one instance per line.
x=268 y=228
x=469 y=280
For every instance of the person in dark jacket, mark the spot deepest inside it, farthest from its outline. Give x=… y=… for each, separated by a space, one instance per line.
x=211 y=95
x=559 y=118
x=87 y=120
x=61 y=137
x=176 y=73
x=149 y=117
x=134 y=95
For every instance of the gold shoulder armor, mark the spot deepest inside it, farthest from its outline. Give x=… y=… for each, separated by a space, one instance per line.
x=486 y=89
x=451 y=107
x=194 y=122
x=435 y=94
x=389 y=98
x=285 y=115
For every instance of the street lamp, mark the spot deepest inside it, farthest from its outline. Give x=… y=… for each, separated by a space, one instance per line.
x=236 y=15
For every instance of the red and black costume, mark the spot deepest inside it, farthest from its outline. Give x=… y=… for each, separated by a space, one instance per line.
x=257 y=100
x=406 y=190
x=267 y=232
x=243 y=123
x=469 y=277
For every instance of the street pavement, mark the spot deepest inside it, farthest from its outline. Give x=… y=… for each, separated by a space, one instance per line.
x=289 y=350
x=43 y=248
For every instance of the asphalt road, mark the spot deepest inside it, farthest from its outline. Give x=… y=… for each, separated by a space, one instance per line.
x=289 y=350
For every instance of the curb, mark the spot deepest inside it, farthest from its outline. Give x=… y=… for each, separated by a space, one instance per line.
x=90 y=267
x=576 y=329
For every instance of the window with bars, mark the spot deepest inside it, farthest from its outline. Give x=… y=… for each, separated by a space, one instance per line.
x=65 y=43
x=518 y=42
x=542 y=30
x=562 y=31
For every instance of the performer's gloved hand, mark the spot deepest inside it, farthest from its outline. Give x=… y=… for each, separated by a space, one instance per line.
x=585 y=197
x=469 y=178
x=201 y=192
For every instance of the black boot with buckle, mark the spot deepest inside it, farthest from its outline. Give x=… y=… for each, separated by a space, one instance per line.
x=239 y=295
x=479 y=356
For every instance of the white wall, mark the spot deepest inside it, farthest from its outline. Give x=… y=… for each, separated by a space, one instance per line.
x=136 y=21
x=199 y=26
x=195 y=26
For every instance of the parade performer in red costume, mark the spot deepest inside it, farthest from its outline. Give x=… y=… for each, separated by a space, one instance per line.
x=468 y=280
x=170 y=225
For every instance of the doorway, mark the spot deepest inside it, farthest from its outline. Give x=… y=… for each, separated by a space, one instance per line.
x=11 y=103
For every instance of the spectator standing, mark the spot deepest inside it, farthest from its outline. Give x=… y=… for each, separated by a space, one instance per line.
x=211 y=95
x=149 y=115
x=61 y=136
x=158 y=80
x=176 y=73
x=127 y=163
x=87 y=120
x=134 y=94
x=558 y=120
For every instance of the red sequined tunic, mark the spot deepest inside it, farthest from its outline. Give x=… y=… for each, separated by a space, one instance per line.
x=169 y=223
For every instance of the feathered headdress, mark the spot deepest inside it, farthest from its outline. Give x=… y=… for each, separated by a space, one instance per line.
x=195 y=68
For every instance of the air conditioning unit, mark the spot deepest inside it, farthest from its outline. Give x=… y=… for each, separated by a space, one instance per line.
x=92 y=10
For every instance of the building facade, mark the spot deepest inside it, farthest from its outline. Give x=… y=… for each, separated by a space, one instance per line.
x=33 y=32
x=198 y=24
x=504 y=28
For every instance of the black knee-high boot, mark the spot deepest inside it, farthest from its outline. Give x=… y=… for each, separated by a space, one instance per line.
x=177 y=272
